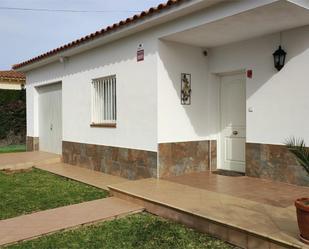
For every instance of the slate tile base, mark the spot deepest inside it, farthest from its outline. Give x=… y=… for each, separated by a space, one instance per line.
x=32 y=143
x=274 y=162
x=186 y=157
x=128 y=163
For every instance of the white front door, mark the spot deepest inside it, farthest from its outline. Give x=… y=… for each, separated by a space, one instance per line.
x=50 y=118
x=233 y=122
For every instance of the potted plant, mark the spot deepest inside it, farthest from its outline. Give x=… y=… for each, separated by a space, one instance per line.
x=299 y=149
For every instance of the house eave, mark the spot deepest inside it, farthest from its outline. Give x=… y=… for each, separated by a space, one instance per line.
x=165 y=16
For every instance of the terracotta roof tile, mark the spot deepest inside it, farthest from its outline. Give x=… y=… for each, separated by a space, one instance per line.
x=143 y=14
x=13 y=75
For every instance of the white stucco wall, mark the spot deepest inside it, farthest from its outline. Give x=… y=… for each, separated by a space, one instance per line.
x=279 y=99
x=137 y=124
x=177 y=122
x=136 y=94
x=148 y=93
x=9 y=85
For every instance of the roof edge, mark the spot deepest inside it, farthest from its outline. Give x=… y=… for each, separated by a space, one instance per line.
x=11 y=75
x=103 y=32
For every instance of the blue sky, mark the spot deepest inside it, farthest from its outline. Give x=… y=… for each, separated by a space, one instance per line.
x=25 y=34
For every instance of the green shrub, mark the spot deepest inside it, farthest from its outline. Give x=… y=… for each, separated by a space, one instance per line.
x=298 y=147
x=8 y=96
x=12 y=115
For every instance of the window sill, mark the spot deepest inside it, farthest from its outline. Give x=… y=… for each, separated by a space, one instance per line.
x=104 y=125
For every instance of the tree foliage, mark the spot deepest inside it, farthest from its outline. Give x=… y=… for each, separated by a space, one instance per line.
x=12 y=116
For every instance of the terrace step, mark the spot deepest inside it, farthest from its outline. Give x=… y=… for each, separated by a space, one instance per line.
x=244 y=223
x=26 y=160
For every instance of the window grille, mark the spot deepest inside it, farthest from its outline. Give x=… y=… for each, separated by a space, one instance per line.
x=104 y=109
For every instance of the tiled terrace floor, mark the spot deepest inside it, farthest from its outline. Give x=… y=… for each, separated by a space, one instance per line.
x=251 y=206
x=254 y=189
x=24 y=160
x=90 y=177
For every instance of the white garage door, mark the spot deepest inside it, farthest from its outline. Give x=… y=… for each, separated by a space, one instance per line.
x=50 y=118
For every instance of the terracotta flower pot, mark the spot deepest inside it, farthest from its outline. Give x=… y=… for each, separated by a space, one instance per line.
x=302 y=208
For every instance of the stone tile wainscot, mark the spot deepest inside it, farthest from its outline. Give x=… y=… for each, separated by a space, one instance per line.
x=128 y=163
x=186 y=157
x=32 y=143
x=274 y=162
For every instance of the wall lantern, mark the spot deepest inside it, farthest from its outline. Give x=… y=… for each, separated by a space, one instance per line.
x=279 y=58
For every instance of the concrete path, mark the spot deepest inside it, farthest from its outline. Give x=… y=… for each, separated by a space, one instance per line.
x=25 y=160
x=37 y=224
x=90 y=177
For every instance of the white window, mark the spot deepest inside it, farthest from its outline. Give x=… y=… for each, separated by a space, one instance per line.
x=104 y=109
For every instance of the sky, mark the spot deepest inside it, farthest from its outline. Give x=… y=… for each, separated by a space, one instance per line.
x=26 y=34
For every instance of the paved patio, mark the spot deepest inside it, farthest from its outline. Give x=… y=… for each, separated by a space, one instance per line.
x=41 y=223
x=90 y=177
x=25 y=160
x=254 y=189
x=250 y=213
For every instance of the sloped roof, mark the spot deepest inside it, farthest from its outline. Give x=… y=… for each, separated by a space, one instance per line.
x=12 y=75
x=102 y=32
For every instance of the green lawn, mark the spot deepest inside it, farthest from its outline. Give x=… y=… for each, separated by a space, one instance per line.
x=13 y=148
x=27 y=192
x=140 y=231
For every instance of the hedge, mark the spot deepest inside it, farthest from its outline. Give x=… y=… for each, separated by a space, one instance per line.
x=12 y=115
x=8 y=96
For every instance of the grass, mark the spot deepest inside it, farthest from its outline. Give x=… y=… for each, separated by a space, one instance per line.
x=13 y=148
x=35 y=190
x=140 y=231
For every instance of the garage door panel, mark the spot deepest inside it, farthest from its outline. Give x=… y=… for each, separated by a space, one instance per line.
x=50 y=118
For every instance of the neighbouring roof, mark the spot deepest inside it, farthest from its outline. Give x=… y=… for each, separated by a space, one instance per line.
x=12 y=76
x=102 y=32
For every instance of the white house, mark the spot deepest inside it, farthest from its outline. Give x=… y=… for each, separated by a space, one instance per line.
x=119 y=100
x=12 y=80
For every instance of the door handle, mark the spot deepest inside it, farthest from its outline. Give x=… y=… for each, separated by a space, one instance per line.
x=235 y=133
x=51 y=127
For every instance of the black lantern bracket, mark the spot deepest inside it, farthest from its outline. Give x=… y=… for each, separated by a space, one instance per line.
x=279 y=58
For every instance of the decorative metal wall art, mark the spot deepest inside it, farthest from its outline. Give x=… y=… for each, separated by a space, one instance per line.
x=186 y=89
